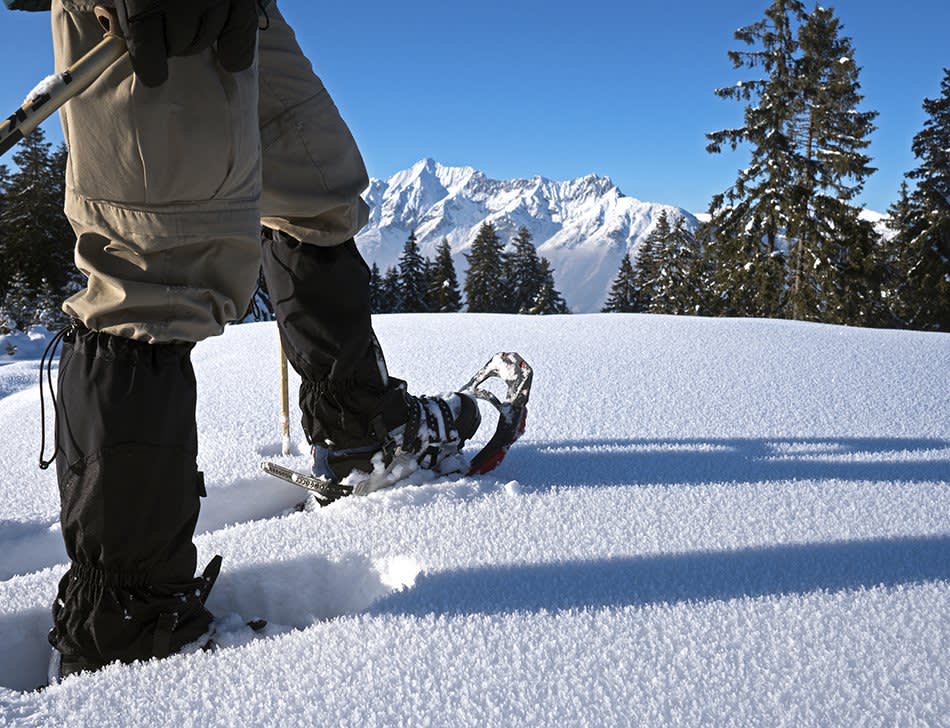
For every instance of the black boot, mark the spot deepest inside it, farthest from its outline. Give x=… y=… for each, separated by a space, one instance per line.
x=129 y=487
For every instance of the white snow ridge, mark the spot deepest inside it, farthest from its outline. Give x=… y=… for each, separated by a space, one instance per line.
x=583 y=226
x=709 y=522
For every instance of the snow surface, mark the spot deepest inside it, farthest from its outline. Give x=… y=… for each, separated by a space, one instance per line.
x=708 y=523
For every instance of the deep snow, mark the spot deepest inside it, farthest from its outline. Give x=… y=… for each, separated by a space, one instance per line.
x=708 y=522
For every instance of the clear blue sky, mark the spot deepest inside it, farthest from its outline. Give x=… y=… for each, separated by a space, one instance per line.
x=525 y=87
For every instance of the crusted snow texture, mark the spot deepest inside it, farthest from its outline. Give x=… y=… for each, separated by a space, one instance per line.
x=708 y=522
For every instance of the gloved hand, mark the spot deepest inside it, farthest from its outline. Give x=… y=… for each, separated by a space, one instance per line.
x=156 y=30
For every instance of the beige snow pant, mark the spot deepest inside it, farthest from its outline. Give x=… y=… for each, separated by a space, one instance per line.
x=167 y=188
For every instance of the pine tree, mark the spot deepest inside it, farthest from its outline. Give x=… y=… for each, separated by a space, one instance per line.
x=924 y=245
x=413 y=282
x=900 y=219
x=750 y=217
x=484 y=281
x=47 y=311
x=523 y=272
x=648 y=262
x=444 y=293
x=832 y=255
x=807 y=138
x=678 y=267
x=548 y=299
x=375 y=289
x=37 y=239
x=18 y=302
x=390 y=297
x=624 y=295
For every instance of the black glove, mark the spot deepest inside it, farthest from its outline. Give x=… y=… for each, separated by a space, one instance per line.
x=156 y=30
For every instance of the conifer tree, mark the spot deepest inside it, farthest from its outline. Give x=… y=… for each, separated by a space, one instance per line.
x=548 y=299
x=750 y=217
x=674 y=288
x=4 y=182
x=375 y=288
x=924 y=244
x=523 y=272
x=484 y=280
x=832 y=256
x=648 y=262
x=413 y=281
x=18 y=301
x=623 y=296
x=37 y=239
x=900 y=219
x=444 y=293
x=390 y=297
x=47 y=309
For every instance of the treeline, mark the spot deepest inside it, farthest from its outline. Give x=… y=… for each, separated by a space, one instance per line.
x=36 y=241
x=499 y=279
x=785 y=240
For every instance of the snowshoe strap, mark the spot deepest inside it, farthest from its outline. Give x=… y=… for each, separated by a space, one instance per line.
x=448 y=421
x=162 y=642
x=209 y=577
x=410 y=435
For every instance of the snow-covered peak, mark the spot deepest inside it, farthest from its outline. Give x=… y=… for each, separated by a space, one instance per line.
x=584 y=226
x=428 y=174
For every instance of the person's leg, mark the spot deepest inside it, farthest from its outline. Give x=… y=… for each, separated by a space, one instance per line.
x=313 y=176
x=163 y=190
x=353 y=411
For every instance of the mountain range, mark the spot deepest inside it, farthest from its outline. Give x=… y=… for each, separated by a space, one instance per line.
x=583 y=226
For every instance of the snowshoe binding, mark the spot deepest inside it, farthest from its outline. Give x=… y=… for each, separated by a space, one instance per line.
x=431 y=439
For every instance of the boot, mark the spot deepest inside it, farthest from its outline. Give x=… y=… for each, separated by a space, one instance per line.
x=430 y=436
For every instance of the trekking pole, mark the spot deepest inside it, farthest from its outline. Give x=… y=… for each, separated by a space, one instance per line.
x=54 y=91
x=284 y=404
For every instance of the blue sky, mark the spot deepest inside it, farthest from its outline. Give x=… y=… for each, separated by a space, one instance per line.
x=525 y=87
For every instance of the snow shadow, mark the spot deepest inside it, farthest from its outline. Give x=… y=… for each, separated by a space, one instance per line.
x=675 y=578
x=30 y=546
x=298 y=592
x=24 y=651
x=698 y=461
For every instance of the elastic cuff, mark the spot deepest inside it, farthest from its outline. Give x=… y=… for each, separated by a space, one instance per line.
x=100 y=577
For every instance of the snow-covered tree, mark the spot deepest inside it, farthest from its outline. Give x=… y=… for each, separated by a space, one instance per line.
x=922 y=242
x=674 y=288
x=833 y=273
x=18 y=302
x=36 y=237
x=807 y=139
x=648 y=262
x=749 y=218
x=47 y=309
